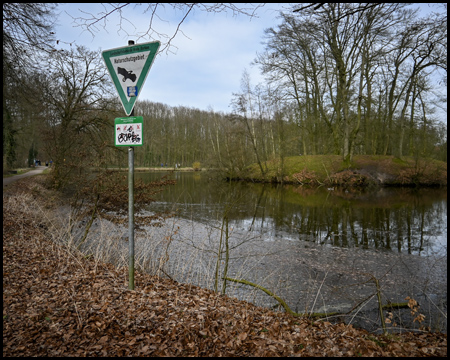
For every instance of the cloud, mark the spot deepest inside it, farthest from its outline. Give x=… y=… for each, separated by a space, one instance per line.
x=209 y=60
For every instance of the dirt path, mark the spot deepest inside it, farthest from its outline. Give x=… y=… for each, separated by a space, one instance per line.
x=9 y=180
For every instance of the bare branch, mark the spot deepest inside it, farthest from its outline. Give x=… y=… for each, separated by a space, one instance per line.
x=350 y=12
x=89 y=21
x=317 y=6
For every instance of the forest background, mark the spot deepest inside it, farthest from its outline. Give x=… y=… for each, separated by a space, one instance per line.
x=340 y=79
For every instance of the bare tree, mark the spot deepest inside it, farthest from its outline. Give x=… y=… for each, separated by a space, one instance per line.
x=27 y=34
x=243 y=103
x=75 y=90
x=425 y=52
x=27 y=31
x=329 y=59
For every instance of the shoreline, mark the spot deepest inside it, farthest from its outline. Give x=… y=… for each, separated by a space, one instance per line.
x=364 y=171
x=142 y=169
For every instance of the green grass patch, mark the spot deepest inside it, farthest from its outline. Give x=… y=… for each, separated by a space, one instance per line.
x=6 y=173
x=363 y=170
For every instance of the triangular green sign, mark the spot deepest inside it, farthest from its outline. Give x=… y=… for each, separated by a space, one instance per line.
x=128 y=67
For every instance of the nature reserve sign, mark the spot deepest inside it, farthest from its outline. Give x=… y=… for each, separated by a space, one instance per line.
x=128 y=131
x=128 y=67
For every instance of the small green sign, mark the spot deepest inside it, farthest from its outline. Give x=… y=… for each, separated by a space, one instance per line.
x=129 y=131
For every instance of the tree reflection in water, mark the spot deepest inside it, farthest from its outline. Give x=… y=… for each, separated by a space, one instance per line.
x=404 y=220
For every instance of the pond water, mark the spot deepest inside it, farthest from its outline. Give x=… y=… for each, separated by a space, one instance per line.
x=318 y=249
x=412 y=221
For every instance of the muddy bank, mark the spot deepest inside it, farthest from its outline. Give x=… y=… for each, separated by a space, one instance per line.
x=310 y=278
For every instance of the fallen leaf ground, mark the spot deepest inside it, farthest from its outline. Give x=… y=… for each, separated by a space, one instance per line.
x=56 y=302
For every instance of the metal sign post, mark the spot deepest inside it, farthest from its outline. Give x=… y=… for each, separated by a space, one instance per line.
x=131 y=217
x=128 y=131
x=128 y=67
x=131 y=210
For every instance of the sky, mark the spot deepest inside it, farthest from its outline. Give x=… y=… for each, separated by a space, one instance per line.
x=207 y=64
x=211 y=54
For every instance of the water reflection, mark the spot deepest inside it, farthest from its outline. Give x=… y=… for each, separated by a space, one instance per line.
x=393 y=219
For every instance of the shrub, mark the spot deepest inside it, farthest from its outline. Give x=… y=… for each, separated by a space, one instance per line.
x=196 y=166
x=349 y=178
x=306 y=177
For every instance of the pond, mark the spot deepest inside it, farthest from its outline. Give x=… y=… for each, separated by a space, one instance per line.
x=407 y=220
x=321 y=250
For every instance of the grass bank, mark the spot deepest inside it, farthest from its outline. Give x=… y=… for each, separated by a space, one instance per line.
x=143 y=169
x=363 y=171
